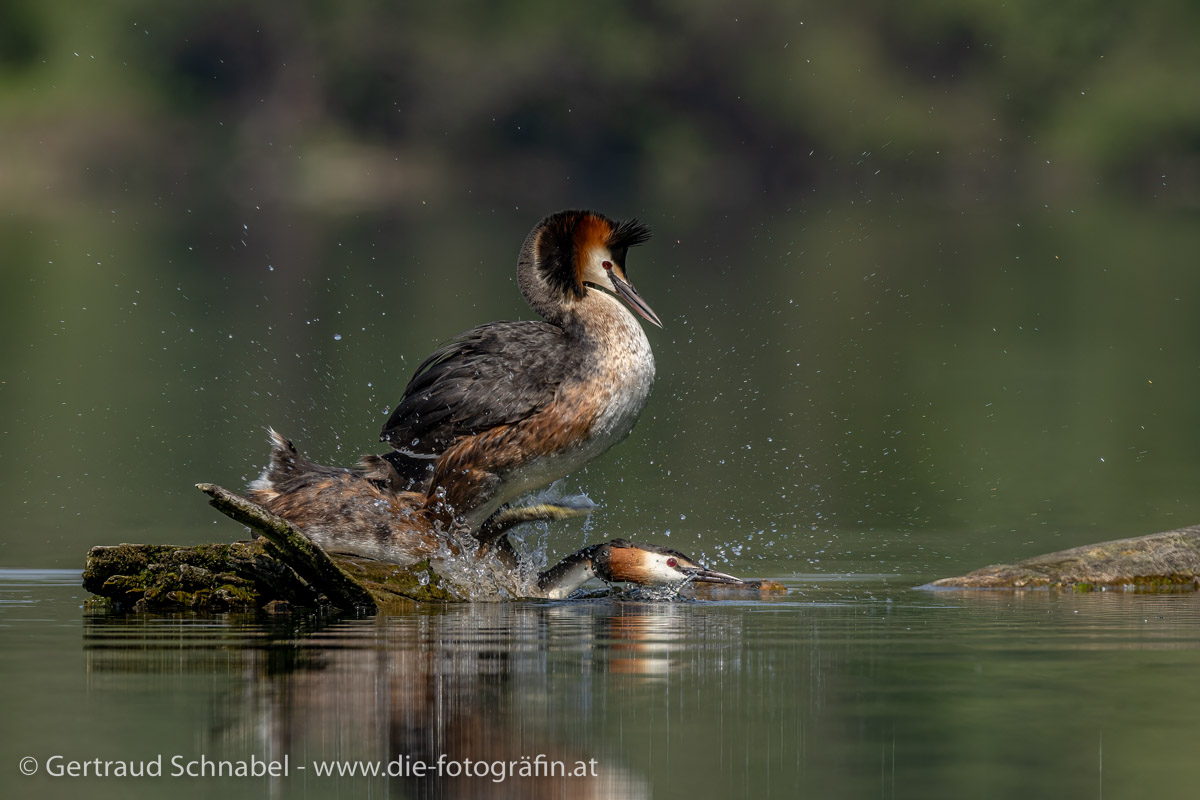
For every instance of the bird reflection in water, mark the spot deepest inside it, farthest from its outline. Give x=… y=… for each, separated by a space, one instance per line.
x=480 y=682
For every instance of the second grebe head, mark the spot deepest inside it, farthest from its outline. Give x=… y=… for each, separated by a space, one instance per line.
x=622 y=561
x=570 y=253
x=650 y=565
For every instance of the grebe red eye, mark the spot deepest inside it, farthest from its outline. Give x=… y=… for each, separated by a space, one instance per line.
x=672 y=562
x=608 y=265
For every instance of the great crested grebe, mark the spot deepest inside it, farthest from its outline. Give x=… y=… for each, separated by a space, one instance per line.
x=622 y=561
x=349 y=511
x=508 y=407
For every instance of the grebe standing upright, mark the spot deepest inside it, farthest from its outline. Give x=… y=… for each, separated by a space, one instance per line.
x=508 y=407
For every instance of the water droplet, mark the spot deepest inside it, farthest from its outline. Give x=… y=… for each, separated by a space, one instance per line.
x=337 y=337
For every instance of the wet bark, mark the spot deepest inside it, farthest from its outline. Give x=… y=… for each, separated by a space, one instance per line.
x=1158 y=562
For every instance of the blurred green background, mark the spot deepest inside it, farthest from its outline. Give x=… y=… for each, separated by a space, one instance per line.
x=928 y=270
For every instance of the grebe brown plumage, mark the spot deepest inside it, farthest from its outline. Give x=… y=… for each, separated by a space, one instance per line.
x=508 y=407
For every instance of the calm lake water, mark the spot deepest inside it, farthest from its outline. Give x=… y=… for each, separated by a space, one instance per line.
x=928 y=278
x=851 y=686
x=853 y=397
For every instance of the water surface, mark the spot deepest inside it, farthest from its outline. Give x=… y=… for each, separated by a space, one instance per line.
x=851 y=686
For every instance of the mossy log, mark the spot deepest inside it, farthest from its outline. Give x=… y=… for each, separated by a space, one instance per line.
x=217 y=577
x=1159 y=562
x=280 y=569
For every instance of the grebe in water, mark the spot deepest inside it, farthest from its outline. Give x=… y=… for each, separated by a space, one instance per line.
x=350 y=511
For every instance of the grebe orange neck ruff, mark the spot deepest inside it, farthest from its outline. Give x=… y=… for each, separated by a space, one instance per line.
x=509 y=407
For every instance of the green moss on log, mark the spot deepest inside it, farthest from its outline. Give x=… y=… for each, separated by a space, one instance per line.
x=216 y=577
x=242 y=576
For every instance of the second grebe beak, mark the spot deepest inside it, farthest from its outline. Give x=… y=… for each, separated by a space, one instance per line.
x=626 y=292
x=700 y=574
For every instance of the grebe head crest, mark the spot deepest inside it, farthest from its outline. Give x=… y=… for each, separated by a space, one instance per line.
x=571 y=252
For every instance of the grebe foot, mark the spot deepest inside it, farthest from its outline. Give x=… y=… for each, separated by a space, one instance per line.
x=505 y=519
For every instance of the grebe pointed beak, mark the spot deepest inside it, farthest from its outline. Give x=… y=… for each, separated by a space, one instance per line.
x=701 y=575
x=630 y=295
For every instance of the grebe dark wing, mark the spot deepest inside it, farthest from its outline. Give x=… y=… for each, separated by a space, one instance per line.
x=496 y=374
